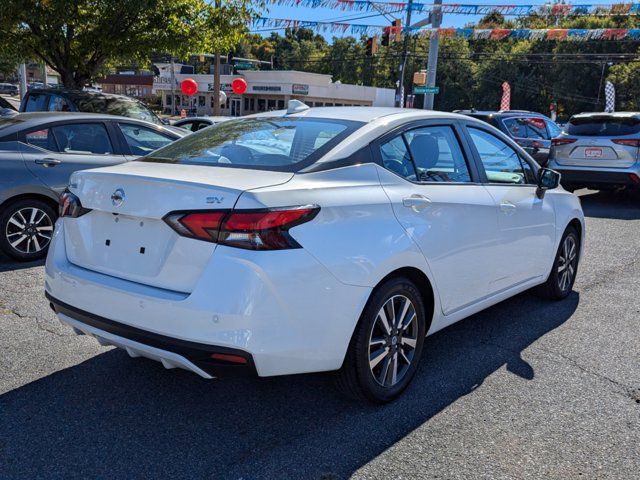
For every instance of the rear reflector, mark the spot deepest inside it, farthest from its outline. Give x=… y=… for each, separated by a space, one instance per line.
x=562 y=141
x=250 y=229
x=225 y=357
x=629 y=142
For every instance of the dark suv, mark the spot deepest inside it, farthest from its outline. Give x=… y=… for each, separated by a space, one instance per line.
x=65 y=100
x=532 y=131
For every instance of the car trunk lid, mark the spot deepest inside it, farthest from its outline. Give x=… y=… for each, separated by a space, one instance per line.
x=124 y=234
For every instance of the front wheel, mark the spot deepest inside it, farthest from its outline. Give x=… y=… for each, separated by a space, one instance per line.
x=387 y=344
x=565 y=267
x=26 y=228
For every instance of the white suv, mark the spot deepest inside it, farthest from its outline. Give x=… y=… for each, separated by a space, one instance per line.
x=309 y=240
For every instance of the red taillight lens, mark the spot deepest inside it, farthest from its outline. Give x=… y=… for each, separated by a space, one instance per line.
x=69 y=205
x=629 y=142
x=562 y=141
x=250 y=229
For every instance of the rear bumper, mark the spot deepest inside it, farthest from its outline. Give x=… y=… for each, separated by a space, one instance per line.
x=284 y=311
x=603 y=178
x=171 y=352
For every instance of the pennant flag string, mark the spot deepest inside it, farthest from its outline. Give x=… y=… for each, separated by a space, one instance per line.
x=598 y=9
x=560 y=34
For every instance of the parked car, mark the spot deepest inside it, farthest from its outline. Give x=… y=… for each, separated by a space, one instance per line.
x=8 y=89
x=376 y=227
x=39 y=152
x=65 y=100
x=532 y=131
x=599 y=151
x=193 y=124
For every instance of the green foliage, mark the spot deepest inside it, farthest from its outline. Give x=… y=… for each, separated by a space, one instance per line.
x=79 y=37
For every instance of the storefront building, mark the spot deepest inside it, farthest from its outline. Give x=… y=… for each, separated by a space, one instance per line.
x=266 y=91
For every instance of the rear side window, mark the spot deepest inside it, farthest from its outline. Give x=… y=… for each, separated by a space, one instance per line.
x=554 y=130
x=42 y=139
x=143 y=140
x=604 y=126
x=395 y=157
x=35 y=102
x=83 y=138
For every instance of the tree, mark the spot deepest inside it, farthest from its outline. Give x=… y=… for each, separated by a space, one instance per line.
x=78 y=38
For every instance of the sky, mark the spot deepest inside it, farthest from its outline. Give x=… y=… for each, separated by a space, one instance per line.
x=350 y=16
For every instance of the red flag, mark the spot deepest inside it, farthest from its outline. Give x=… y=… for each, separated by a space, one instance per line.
x=505 y=104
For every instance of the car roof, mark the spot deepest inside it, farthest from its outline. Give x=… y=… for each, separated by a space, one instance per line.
x=501 y=113
x=33 y=119
x=81 y=94
x=204 y=119
x=586 y=115
x=360 y=114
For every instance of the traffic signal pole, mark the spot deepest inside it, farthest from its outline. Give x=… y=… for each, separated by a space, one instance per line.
x=432 y=60
x=403 y=64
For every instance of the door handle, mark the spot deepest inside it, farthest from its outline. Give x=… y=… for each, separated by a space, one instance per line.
x=48 y=162
x=507 y=208
x=417 y=203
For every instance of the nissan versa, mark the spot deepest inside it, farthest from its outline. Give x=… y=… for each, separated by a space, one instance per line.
x=309 y=240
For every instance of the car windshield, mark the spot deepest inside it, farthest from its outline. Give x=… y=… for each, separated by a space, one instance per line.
x=116 y=106
x=603 y=126
x=283 y=144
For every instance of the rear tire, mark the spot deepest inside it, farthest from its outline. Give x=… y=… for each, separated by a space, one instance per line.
x=386 y=345
x=565 y=267
x=26 y=229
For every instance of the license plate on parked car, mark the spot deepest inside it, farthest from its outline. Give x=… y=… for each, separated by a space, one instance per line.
x=593 y=152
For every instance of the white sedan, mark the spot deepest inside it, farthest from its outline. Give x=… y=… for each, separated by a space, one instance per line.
x=374 y=228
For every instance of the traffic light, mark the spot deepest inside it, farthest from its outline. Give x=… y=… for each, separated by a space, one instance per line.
x=385 y=36
x=396 y=30
x=372 y=46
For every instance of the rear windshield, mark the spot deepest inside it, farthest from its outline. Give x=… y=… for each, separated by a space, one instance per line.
x=282 y=144
x=115 y=106
x=603 y=126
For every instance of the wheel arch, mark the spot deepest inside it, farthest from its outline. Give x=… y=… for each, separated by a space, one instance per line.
x=28 y=196
x=424 y=285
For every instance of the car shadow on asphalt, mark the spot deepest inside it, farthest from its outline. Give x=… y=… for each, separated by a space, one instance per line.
x=624 y=205
x=117 y=417
x=7 y=264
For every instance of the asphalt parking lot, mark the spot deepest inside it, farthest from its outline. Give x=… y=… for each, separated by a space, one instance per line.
x=526 y=389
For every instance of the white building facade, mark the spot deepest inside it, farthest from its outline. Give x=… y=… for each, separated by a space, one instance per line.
x=266 y=91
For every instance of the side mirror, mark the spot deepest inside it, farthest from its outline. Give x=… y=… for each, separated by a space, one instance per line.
x=547 y=180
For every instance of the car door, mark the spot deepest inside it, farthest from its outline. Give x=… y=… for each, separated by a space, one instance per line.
x=526 y=222
x=437 y=197
x=53 y=152
x=140 y=140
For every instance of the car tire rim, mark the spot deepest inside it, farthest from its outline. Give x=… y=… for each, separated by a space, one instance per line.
x=29 y=230
x=393 y=340
x=567 y=263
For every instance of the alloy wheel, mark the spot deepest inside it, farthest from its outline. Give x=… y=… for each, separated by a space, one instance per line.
x=567 y=262
x=393 y=341
x=29 y=230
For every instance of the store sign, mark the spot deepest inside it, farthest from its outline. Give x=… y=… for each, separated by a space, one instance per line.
x=225 y=87
x=299 y=89
x=266 y=88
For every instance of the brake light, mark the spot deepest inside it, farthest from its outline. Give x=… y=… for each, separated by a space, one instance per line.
x=250 y=229
x=629 y=142
x=69 y=205
x=562 y=141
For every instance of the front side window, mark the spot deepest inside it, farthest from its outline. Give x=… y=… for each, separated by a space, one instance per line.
x=501 y=162
x=282 y=144
x=554 y=130
x=82 y=138
x=143 y=140
x=42 y=139
x=437 y=155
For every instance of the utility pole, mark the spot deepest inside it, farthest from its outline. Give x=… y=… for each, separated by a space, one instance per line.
x=23 y=80
x=173 y=86
x=216 y=80
x=432 y=60
x=403 y=64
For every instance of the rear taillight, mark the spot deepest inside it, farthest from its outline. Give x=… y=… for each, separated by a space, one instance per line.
x=629 y=142
x=562 y=141
x=250 y=229
x=69 y=205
